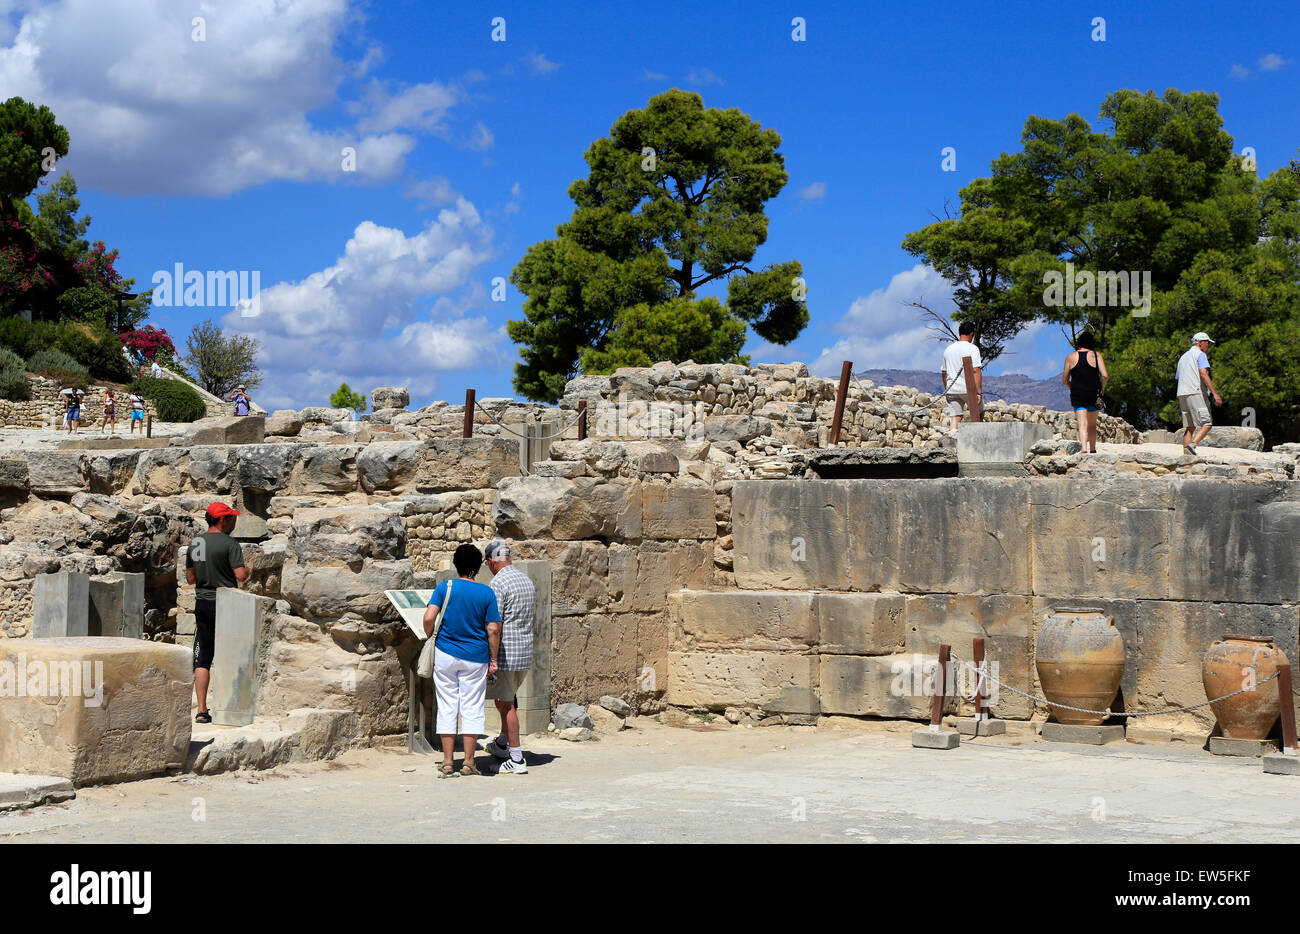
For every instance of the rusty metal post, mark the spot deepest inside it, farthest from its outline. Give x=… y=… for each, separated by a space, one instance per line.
x=148 y=427
x=1287 y=705
x=468 y=430
x=978 y=651
x=936 y=706
x=841 y=397
x=582 y=420
x=972 y=397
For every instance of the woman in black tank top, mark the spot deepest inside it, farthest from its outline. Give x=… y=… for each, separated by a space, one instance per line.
x=1086 y=377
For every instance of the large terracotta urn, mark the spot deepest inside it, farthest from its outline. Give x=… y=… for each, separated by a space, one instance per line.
x=1233 y=664
x=1080 y=660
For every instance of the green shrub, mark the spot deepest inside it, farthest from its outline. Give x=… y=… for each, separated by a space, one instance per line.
x=175 y=401
x=58 y=365
x=13 y=376
x=98 y=350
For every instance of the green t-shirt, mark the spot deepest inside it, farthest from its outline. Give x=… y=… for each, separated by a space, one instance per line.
x=214 y=557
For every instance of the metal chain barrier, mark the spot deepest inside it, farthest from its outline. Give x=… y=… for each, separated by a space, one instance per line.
x=545 y=436
x=1108 y=713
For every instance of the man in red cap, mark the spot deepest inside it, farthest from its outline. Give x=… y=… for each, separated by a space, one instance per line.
x=213 y=560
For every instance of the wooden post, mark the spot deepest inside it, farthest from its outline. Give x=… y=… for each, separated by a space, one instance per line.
x=840 y=398
x=980 y=712
x=972 y=397
x=936 y=706
x=468 y=430
x=582 y=420
x=1287 y=704
x=148 y=427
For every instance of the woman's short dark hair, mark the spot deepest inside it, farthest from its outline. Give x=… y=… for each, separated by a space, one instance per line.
x=467 y=560
x=1086 y=341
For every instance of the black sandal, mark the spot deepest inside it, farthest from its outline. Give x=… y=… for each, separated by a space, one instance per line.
x=203 y=717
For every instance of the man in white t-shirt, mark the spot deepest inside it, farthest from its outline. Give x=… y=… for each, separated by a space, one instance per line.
x=1193 y=374
x=953 y=373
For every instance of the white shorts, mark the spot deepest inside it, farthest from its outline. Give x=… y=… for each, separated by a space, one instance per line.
x=956 y=404
x=1194 y=410
x=460 y=687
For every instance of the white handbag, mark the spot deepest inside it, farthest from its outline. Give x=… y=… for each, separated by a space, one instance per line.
x=424 y=667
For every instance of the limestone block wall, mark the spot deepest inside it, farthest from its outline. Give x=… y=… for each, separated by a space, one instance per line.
x=1178 y=562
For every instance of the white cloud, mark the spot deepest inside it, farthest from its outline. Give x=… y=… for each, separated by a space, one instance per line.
x=654 y=75
x=362 y=319
x=432 y=192
x=814 y=192
x=150 y=111
x=1272 y=62
x=420 y=106
x=1239 y=72
x=539 y=64
x=701 y=77
x=481 y=138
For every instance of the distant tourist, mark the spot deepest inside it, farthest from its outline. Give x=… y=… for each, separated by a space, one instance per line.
x=953 y=373
x=517 y=602
x=213 y=560
x=465 y=656
x=110 y=413
x=155 y=370
x=1086 y=377
x=74 y=410
x=69 y=397
x=243 y=402
x=130 y=360
x=1193 y=374
x=137 y=412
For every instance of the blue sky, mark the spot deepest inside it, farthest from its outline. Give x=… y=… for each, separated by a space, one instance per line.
x=226 y=153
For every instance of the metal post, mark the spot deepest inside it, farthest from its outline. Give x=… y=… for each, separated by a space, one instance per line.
x=980 y=712
x=972 y=397
x=840 y=398
x=468 y=430
x=936 y=706
x=1287 y=704
x=148 y=429
x=582 y=420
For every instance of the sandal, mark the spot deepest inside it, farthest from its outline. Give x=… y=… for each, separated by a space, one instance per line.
x=447 y=771
x=203 y=717
x=468 y=769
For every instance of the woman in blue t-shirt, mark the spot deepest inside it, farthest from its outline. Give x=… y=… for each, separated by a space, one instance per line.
x=465 y=655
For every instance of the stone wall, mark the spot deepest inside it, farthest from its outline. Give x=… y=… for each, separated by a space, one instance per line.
x=44 y=407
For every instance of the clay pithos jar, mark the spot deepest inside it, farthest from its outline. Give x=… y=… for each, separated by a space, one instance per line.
x=1080 y=659
x=1229 y=666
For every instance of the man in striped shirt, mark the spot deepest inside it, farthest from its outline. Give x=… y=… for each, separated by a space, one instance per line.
x=517 y=601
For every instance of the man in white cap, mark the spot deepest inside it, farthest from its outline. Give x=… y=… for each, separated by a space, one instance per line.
x=517 y=601
x=1193 y=373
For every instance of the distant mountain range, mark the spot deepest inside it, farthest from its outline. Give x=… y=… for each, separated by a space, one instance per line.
x=1012 y=387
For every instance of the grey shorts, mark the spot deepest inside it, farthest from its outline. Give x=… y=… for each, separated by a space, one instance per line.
x=956 y=404
x=1195 y=412
x=506 y=686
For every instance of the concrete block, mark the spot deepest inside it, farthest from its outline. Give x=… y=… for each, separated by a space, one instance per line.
x=132 y=605
x=243 y=631
x=926 y=738
x=19 y=792
x=1054 y=732
x=94 y=709
x=969 y=726
x=999 y=443
x=1250 y=748
x=777 y=682
x=746 y=617
x=61 y=605
x=105 y=607
x=1279 y=763
x=859 y=623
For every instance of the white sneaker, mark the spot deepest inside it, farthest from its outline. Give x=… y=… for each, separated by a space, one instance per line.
x=510 y=766
x=498 y=749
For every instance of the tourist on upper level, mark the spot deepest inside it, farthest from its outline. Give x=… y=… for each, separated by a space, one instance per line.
x=239 y=396
x=1193 y=378
x=1086 y=377
x=953 y=373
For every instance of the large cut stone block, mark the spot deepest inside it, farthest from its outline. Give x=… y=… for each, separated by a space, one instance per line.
x=466 y=464
x=227 y=429
x=325 y=468
x=762 y=619
x=791 y=534
x=580 y=572
x=327 y=592
x=1236 y=542
x=55 y=473
x=995 y=446
x=1101 y=538
x=642 y=577
x=680 y=509
x=554 y=507
x=877 y=685
x=61 y=605
x=860 y=623
x=243 y=634
x=389 y=465
x=776 y=682
x=94 y=709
